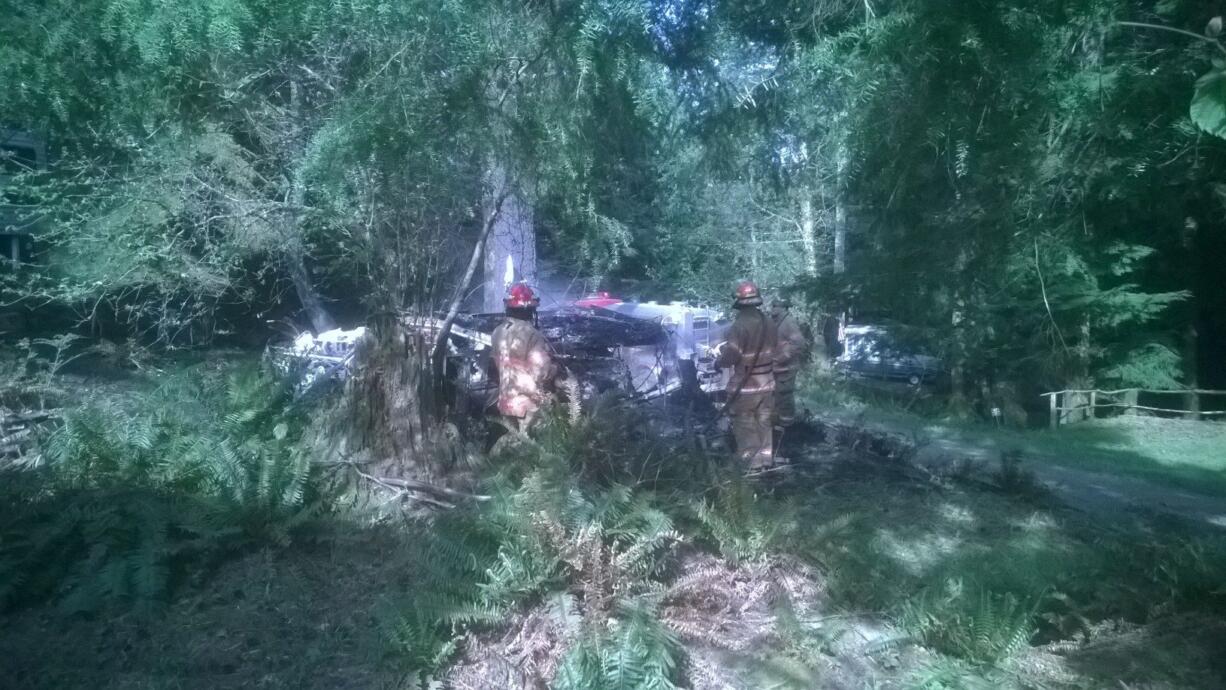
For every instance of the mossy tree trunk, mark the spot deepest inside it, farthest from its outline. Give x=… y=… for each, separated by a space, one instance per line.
x=387 y=410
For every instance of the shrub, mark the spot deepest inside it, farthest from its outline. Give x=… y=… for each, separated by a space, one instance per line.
x=129 y=500
x=978 y=626
x=744 y=526
x=636 y=652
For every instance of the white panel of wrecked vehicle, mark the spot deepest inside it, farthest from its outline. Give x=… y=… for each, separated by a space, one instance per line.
x=605 y=351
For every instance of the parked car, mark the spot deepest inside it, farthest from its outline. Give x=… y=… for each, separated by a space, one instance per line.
x=884 y=352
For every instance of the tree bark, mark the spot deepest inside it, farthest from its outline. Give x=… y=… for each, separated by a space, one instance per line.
x=840 y=211
x=295 y=258
x=808 y=236
x=1190 y=335
x=512 y=239
x=753 y=253
x=384 y=411
x=457 y=300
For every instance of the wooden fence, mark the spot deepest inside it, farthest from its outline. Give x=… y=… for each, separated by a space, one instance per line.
x=1075 y=405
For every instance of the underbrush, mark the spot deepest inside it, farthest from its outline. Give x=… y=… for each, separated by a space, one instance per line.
x=587 y=548
x=983 y=579
x=589 y=544
x=606 y=556
x=129 y=501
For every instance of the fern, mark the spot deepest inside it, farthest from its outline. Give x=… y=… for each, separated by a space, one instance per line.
x=129 y=500
x=592 y=556
x=637 y=653
x=744 y=527
x=95 y=547
x=983 y=628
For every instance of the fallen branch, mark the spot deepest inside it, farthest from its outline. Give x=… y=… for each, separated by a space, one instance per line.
x=414 y=485
x=400 y=493
x=28 y=417
x=457 y=300
x=422 y=487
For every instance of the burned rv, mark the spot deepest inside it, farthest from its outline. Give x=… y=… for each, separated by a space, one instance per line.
x=641 y=357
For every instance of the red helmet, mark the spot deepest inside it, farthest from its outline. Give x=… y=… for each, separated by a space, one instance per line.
x=747 y=294
x=520 y=296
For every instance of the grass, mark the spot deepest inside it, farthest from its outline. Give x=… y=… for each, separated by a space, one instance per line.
x=1183 y=454
x=974 y=573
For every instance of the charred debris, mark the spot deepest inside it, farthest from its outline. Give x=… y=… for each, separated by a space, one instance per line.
x=659 y=350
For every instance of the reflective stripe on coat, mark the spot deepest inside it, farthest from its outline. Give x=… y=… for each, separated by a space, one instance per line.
x=750 y=351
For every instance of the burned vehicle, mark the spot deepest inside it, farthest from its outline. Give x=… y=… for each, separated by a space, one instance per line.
x=602 y=350
x=642 y=351
x=313 y=361
x=695 y=330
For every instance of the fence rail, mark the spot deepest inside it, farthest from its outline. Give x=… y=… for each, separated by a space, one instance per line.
x=1073 y=405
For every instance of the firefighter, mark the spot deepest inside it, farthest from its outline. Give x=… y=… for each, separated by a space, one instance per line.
x=749 y=351
x=523 y=359
x=791 y=352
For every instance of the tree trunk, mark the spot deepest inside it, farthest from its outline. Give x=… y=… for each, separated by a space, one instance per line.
x=384 y=413
x=308 y=296
x=1190 y=350
x=753 y=254
x=510 y=253
x=840 y=211
x=808 y=236
x=295 y=258
x=453 y=310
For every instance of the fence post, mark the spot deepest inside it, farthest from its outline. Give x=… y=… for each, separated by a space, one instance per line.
x=1055 y=414
x=1130 y=399
x=1093 y=404
x=1193 y=404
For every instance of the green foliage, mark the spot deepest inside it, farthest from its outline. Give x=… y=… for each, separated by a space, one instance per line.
x=210 y=150
x=978 y=626
x=611 y=444
x=607 y=545
x=423 y=628
x=130 y=501
x=637 y=653
x=746 y=527
x=596 y=556
x=95 y=547
x=1153 y=365
x=951 y=674
x=1209 y=103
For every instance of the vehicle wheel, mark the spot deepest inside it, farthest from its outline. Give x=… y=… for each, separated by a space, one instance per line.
x=914 y=380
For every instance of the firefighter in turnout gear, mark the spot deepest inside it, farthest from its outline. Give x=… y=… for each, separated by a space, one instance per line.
x=791 y=351
x=523 y=359
x=750 y=352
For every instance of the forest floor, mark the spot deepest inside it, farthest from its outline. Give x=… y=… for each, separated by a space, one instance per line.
x=889 y=574
x=885 y=547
